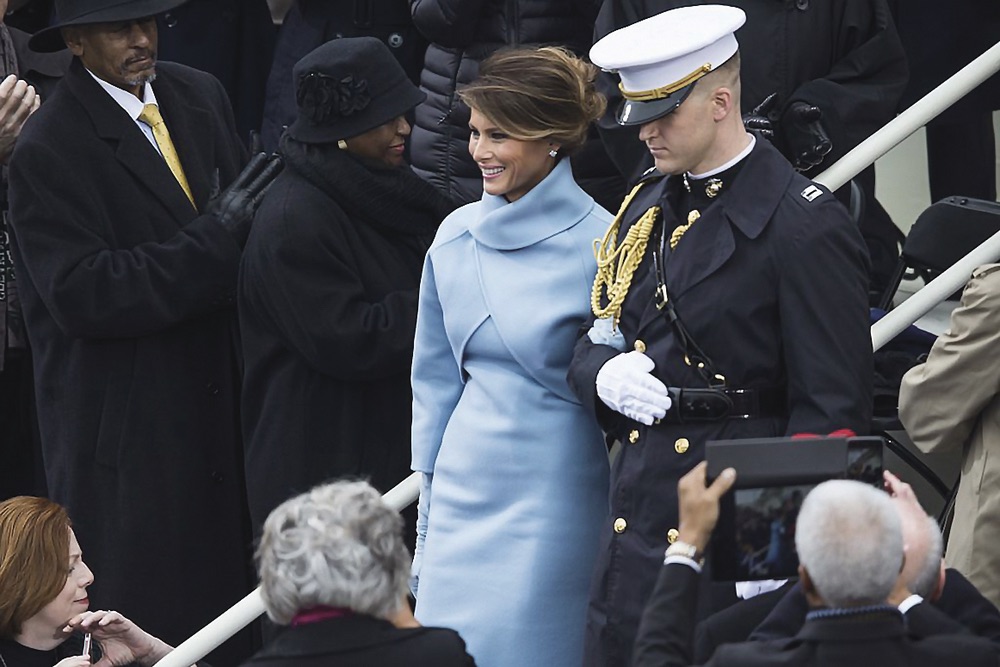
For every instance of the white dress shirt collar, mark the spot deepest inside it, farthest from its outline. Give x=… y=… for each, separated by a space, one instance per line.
x=126 y=100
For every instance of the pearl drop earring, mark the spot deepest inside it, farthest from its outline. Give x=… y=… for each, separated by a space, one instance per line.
x=553 y=153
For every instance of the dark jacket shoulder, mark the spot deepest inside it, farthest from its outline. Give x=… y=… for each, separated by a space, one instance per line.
x=363 y=641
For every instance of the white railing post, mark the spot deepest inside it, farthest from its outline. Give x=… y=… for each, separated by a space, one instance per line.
x=247 y=610
x=911 y=120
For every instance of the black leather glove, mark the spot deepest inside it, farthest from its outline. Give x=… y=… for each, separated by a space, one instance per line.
x=803 y=135
x=760 y=117
x=255 y=143
x=234 y=207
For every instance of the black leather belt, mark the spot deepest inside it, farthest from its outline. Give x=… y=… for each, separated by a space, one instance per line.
x=708 y=405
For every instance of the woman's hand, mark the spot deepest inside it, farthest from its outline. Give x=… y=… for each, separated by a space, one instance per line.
x=122 y=641
x=74 y=661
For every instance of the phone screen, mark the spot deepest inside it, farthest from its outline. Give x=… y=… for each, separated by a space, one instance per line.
x=757 y=524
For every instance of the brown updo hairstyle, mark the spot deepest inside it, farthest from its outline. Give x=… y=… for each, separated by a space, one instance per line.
x=34 y=557
x=537 y=93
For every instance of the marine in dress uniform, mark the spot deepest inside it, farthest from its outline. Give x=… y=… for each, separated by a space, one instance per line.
x=818 y=77
x=730 y=301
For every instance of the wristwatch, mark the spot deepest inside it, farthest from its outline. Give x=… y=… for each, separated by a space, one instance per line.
x=686 y=550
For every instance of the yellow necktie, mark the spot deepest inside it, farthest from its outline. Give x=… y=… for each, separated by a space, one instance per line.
x=151 y=116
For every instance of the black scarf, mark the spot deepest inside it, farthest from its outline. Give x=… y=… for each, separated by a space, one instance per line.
x=393 y=200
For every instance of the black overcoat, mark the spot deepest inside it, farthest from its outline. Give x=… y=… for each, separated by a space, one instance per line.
x=939 y=43
x=128 y=295
x=363 y=641
x=328 y=309
x=925 y=638
x=231 y=39
x=773 y=288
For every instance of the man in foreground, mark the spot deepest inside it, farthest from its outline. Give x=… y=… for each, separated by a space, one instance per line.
x=849 y=540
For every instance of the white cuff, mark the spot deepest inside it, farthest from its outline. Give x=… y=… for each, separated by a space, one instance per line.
x=683 y=560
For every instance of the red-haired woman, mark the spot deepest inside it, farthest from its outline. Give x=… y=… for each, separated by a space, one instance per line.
x=43 y=597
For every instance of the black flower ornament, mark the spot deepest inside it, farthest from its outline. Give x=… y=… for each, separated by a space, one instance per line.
x=322 y=97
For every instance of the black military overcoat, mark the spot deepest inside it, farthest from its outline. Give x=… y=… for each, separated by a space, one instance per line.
x=771 y=283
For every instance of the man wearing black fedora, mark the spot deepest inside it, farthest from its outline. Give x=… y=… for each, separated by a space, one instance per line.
x=127 y=254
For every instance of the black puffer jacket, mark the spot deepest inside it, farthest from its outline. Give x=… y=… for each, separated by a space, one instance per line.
x=462 y=33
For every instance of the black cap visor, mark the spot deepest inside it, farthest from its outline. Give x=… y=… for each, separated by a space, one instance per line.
x=639 y=113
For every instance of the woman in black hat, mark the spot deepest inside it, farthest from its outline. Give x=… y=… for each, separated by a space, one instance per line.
x=328 y=283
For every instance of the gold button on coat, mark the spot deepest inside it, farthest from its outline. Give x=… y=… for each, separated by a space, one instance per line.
x=672 y=535
x=620 y=525
x=681 y=445
x=640 y=346
x=633 y=436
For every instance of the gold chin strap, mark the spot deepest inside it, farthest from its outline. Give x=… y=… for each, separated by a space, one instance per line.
x=617 y=265
x=665 y=91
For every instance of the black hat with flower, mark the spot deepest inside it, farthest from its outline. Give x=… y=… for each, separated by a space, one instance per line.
x=349 y=86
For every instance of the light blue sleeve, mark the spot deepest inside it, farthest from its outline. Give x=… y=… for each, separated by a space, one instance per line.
x=436 y=378
x=437 y=385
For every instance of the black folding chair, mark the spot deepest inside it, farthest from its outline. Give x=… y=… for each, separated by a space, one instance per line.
x=943 y=234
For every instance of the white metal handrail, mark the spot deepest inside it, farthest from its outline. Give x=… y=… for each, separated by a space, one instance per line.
x=872 y=148
x=911 y=120
x=934 y=292
x=863 y=155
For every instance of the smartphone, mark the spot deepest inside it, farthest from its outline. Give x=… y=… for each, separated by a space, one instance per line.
x=755 y=536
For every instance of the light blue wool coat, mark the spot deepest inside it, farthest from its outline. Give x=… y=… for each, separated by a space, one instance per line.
x=519 y=469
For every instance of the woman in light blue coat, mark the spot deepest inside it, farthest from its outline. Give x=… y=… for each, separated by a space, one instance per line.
x=515 y=472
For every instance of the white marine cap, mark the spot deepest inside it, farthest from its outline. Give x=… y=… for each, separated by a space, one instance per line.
x=660 y=58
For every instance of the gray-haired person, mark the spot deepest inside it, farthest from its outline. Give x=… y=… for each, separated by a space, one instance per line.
x=850 y=543
x=924 y=575
x=333 y=566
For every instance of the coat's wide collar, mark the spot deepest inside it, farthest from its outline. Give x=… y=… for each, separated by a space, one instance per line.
x=552 y=206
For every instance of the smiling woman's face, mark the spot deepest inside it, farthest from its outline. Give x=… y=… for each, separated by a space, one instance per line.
x=384 y=144
x=72 y=599
x=511 y=167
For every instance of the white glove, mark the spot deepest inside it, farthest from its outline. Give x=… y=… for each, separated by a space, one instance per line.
x=423 y=510
x=625 y=385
